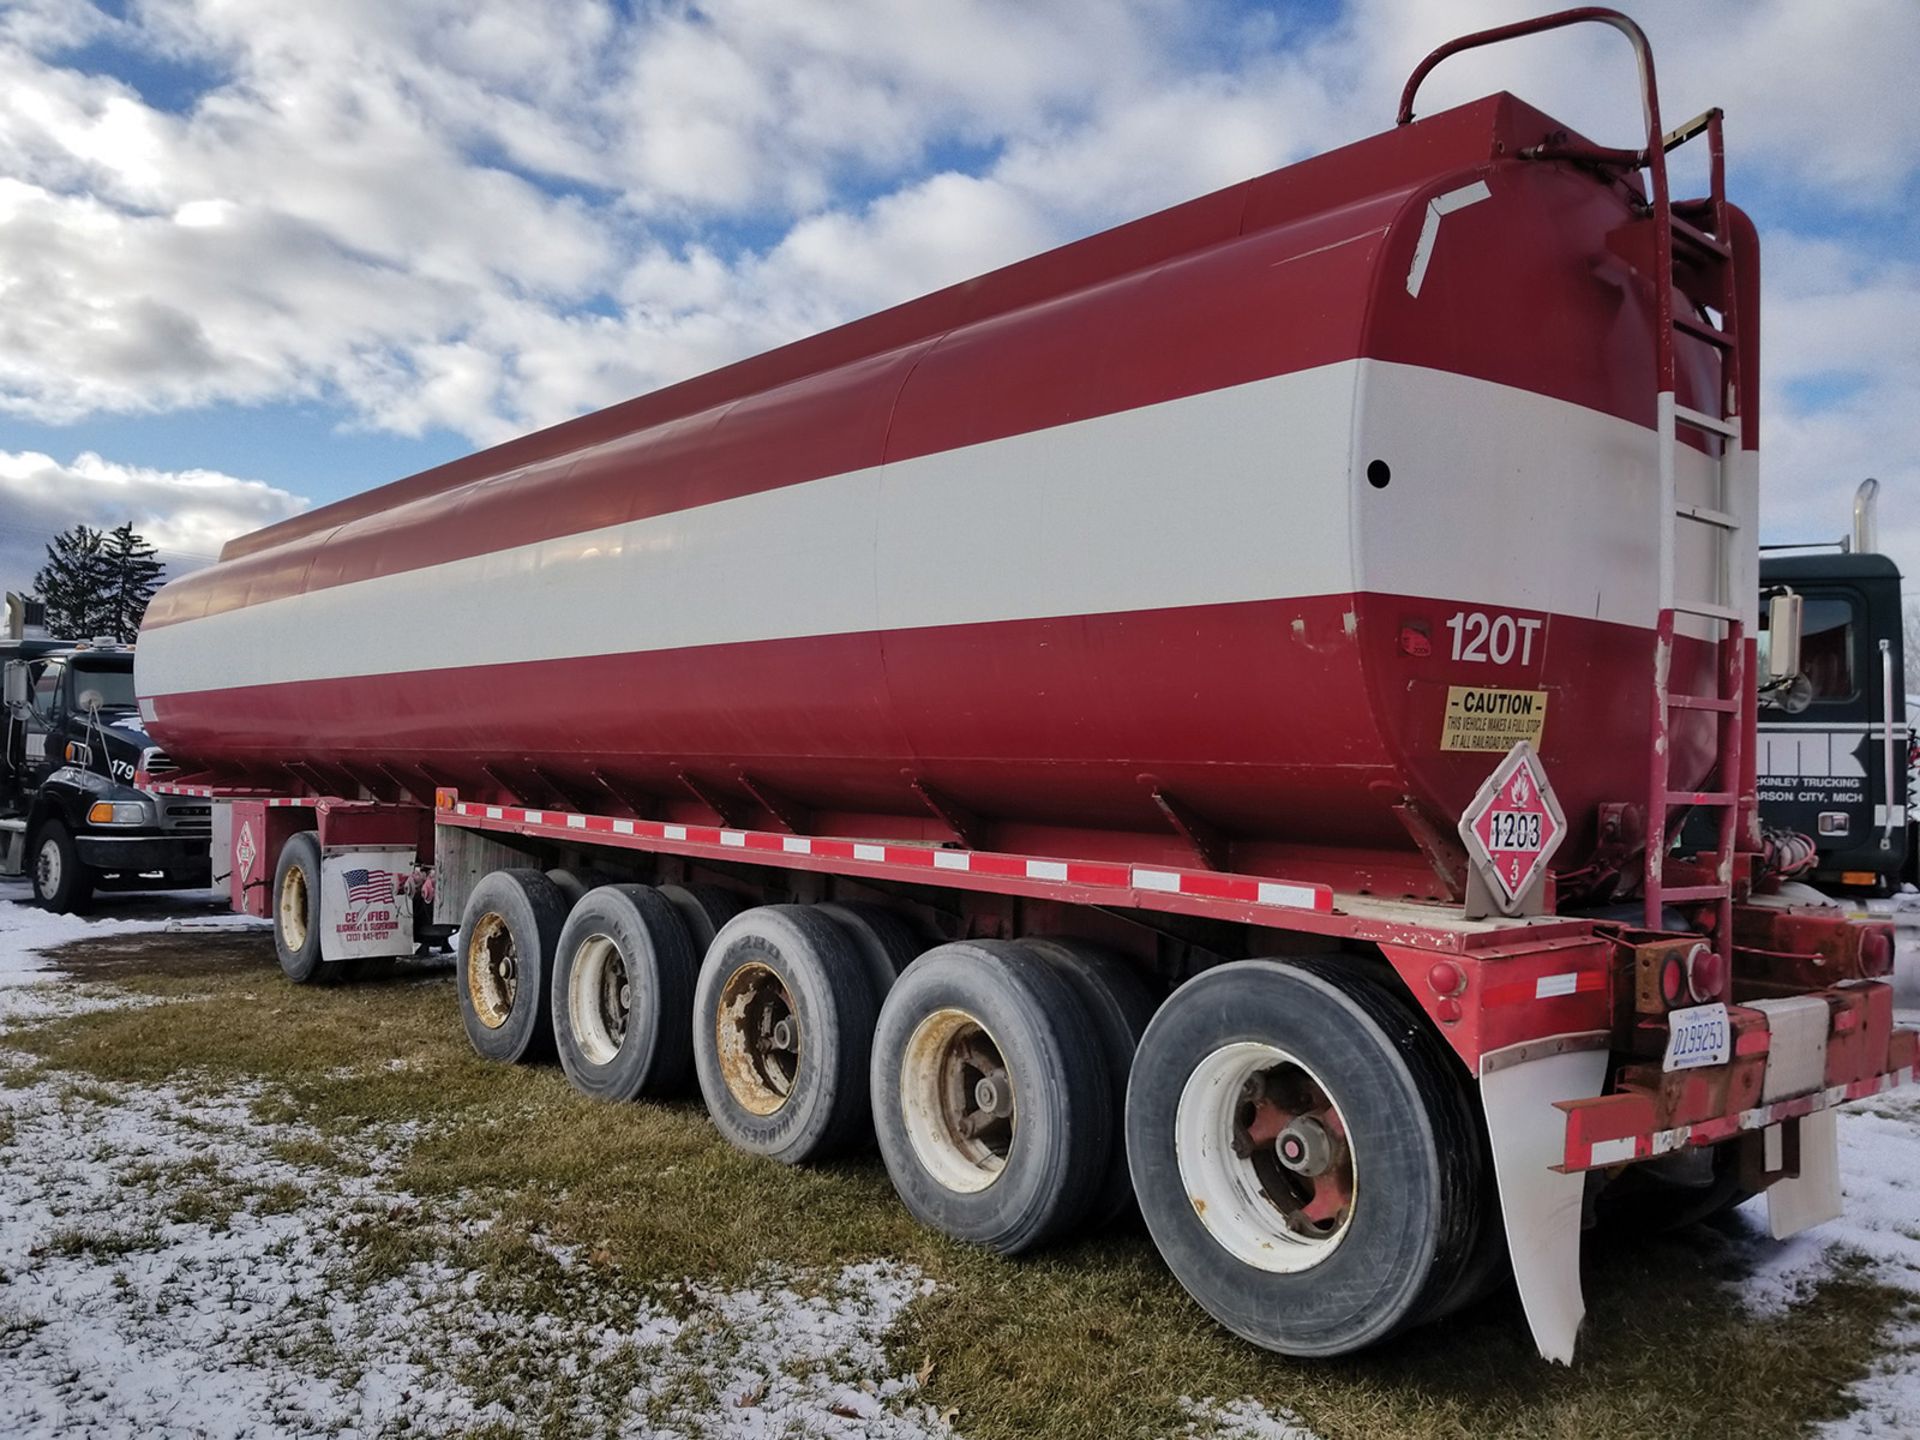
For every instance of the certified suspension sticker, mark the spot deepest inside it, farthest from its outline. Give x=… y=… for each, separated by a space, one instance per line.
x=1481 y=719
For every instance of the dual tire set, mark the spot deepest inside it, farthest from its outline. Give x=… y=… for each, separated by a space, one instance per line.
x=1303 y=1153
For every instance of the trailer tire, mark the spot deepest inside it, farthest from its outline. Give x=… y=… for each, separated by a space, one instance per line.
x=623 y=978
x=886 y=942
x=296 y=914
x=704 y=910
x=783 y=1019
x=1373 y=1239
x=1021 y=1161
x=62 y=882
x=509 y=934
x=1120 y=1005
x=571 y=885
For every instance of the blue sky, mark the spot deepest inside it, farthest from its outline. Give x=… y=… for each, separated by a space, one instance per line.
x=257 y=256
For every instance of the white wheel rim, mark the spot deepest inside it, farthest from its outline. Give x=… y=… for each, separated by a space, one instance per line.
x=293 y=908
x=48 y=867
x=1231 y=1192
x=598 y=998
x=961 y=1135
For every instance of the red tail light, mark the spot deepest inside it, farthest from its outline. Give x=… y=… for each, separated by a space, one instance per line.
x=1706 y=974
x=1876 y=949
x=1673 y=980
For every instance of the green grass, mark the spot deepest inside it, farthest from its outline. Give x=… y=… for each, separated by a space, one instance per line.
x=1092 y=1340
x=98 y=1243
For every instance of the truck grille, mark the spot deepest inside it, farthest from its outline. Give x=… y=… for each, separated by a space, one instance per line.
x=155 y=762
x=186 y=817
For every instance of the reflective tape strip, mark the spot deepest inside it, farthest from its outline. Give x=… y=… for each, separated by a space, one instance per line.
x=1249 y=890
x=1557 y=986
x=1620 y=1149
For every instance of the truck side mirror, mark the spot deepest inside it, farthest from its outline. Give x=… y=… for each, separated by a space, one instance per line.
x=1783 y=636
x=15 y=685
x=91 y=701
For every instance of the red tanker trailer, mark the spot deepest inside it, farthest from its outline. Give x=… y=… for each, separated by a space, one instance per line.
x=1200 y=715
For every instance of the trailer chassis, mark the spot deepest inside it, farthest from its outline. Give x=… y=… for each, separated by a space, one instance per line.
x=1559 y=1022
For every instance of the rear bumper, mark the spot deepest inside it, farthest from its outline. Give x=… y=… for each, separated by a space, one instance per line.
x=137 y=854
x=1781 y=1070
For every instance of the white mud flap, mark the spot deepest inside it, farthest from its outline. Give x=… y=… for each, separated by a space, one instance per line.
x=1813 y=1196
x=1540 y=1205
x=365 y=912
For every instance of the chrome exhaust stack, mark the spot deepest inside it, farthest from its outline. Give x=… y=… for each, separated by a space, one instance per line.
x=1866 y=518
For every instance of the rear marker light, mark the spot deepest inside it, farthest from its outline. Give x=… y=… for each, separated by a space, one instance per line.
x=1876 y=949
x=1673 y=981
x=1446 y=978
x=1706 y=974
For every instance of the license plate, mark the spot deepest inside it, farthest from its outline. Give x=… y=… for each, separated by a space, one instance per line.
x=1699 y=1035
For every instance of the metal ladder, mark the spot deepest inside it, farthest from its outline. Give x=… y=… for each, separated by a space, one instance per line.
x=1687 y=245
x=1698 y=260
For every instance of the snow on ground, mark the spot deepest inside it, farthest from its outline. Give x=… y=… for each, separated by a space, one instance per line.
x=164 y=1271
x=1880 y=1175
x=1243 y=1419
x=27 y=932
x=169 y=1267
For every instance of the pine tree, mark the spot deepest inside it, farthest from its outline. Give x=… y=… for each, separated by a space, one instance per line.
x=77 y=584
x=135 y=574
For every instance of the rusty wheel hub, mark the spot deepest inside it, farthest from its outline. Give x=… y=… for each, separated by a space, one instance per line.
x=959 y=1101
x=493 y=970
x=758 y=1038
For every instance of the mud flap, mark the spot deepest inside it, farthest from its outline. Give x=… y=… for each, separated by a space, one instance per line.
x=1540 y=1205
x=1813 y=1196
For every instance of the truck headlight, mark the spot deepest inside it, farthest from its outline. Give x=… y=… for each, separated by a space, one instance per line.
x=118 y=812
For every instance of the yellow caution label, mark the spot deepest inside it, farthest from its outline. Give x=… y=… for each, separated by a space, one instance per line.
x=1479 y=719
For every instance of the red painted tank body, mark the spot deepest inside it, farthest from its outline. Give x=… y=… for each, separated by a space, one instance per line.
x=1219 y=503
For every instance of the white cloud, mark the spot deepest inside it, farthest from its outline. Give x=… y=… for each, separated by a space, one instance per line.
x=486 y=216
x=187 y=514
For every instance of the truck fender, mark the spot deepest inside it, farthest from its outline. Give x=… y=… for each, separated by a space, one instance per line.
x=1520 y=1088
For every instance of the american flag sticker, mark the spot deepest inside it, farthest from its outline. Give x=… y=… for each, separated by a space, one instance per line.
x=368 y=887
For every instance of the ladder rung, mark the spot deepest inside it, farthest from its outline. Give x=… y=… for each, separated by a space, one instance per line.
x=1719 y=798
x=1701 y=330
x=1707 y=516
x=1688 y=235
x=1704 y=702
x=1708 y=610
x=1687 y=894
x=1680 y=134
x=1700 y=420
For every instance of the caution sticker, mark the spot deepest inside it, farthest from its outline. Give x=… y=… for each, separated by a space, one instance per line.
x=1480 y=719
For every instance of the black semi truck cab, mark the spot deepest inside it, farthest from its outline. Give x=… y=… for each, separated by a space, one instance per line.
x=1834 y=748
x=72 y=817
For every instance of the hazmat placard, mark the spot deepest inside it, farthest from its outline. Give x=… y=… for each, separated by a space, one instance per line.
x=1511 y=828
x=1479 y=719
